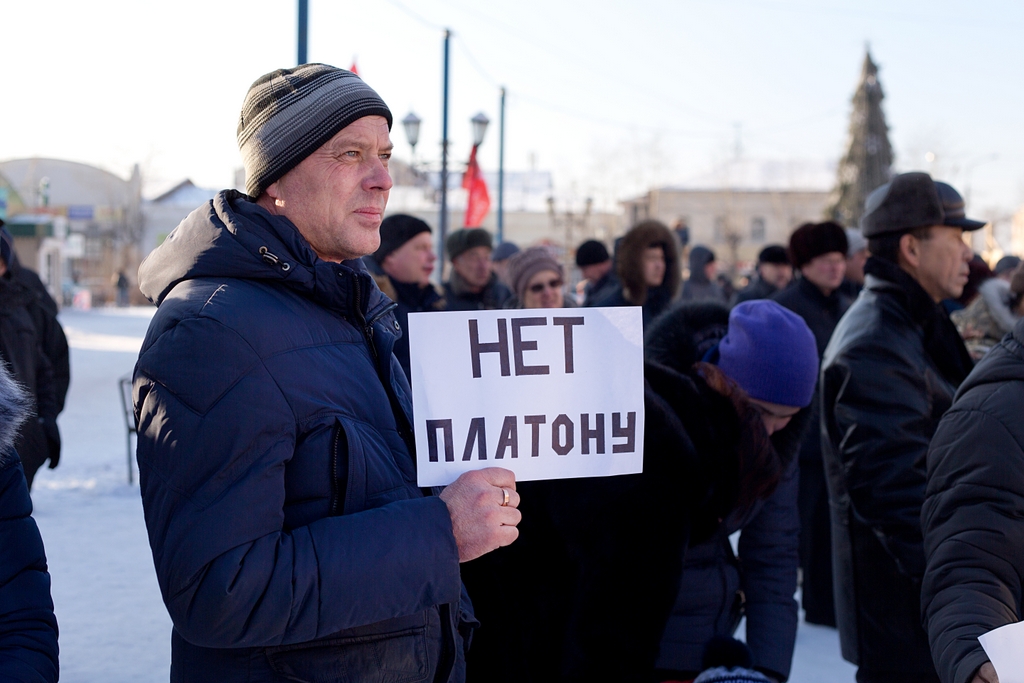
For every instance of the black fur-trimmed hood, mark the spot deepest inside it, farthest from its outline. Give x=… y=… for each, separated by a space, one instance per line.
x=14 y=410
x=684 y=334
x=629 y=260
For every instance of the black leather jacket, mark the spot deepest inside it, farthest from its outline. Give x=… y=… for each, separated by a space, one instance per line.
x=888 y=375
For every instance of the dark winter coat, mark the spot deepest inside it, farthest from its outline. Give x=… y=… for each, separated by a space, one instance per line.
x=632 y=289
x=596 y=291
x=411 y=298
x=276 y=465
x=21 y=347
x=887 y=378
x=698 y=287
x=54 y=343
x=822 y=314
x=28 y=628
x=585 y=593
x=757 y=289
x=973 y=515
x=491 y=297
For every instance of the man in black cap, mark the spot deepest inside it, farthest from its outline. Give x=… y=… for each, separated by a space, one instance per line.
x=473 y=285
x=406 y=258
x=888 y=375
x=774 y=273
x=597 y=269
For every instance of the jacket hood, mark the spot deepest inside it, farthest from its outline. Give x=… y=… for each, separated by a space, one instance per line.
x=699 y=258
x=629 y=260
x=14 y=410
x=1003 y=363
x=233 y=237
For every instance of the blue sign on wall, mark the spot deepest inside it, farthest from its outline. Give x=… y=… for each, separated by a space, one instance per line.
x=80 y=212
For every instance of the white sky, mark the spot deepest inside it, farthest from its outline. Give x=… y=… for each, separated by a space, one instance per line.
x=612 y=96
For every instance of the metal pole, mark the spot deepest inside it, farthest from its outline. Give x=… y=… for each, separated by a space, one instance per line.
x=303 y=24
x=443 y=223
x=501 y=170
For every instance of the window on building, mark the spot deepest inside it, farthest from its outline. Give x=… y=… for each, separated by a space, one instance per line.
x=757 y=229
x=719 y=229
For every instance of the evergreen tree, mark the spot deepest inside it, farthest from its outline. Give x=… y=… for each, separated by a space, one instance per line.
x=867 y=163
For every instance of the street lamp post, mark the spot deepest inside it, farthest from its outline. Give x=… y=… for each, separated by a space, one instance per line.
x=479 y=123
x=411 y=123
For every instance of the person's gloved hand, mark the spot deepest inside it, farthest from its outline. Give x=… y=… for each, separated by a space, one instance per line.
x=49 y=425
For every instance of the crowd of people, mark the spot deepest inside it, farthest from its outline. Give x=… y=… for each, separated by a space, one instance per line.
x=828 y=412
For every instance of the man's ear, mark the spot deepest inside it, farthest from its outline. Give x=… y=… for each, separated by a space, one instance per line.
x=271 y=199
x=910 y=249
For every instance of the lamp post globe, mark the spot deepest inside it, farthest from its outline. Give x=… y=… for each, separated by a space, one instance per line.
x=479 y=122
x=411 y=123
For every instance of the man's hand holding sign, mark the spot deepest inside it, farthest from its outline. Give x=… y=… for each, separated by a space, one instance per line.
x=545 y=393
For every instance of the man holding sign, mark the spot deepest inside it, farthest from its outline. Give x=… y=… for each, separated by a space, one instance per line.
x=290 y=539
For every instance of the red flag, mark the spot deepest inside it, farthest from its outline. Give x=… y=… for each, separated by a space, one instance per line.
x=353 y=68
x=479 y=202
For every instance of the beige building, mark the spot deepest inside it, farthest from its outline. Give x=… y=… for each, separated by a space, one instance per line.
x=740 y=207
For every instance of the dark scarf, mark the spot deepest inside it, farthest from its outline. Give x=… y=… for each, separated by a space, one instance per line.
x=941 y=340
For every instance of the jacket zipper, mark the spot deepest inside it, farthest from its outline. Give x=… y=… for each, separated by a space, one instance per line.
x=335 y=454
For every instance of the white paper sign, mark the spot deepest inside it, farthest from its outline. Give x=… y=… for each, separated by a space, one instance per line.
x=546 y=393
x=1005 y=649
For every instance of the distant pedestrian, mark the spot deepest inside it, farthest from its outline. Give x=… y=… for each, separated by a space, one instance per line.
x=598 y=271
x=537 y=280
x=973 y=527
x=121 y=283
x=992 y=314
x=28 y=628
x=473 y=285
x=499 y=260
x=818 y=251
x=889 y=374
x=406 y=258
x=22 y=348
x=702 y=285
x=648 y=270
x=856 y=257
x=774 y=273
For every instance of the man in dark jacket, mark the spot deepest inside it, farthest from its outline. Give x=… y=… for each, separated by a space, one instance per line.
x=21 y=347
x=406 y=257
x=819 y=252
x=598 y=270
x=973 y=529
x=275 y=442
x=774 y=273
x=43 y=310
x=473 y=284
x=28 y=629
x=888 y=376
x=702 y=285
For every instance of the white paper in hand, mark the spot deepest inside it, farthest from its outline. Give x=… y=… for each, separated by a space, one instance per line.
x=546 y=393
x=1005 y=649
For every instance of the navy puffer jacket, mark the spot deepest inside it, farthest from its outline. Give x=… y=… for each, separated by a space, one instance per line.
x=28 y=629
x=276 y=465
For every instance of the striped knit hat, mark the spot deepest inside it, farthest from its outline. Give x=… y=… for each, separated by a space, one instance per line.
x=289 y=113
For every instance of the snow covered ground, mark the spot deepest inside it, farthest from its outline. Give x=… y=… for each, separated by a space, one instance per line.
x=113 y=626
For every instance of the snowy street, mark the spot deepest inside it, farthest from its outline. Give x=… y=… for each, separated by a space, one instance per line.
x=113 y=626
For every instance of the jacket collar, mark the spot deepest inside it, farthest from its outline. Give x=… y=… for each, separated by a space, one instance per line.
x=941 y=340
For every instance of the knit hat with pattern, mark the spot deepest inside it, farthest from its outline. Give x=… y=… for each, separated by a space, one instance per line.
x=289 y=113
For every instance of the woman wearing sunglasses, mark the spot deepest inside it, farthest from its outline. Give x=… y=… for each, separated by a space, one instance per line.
x=537 y=280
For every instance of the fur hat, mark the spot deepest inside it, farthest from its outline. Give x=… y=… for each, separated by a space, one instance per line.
x=396 y=230
x=770 y=353
x=629 y=258
x=465 y=239
x=528 y=263
x=15 y=405
x=815 y=239
x=289 y=113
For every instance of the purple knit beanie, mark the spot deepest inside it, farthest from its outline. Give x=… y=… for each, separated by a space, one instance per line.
x=770 y=352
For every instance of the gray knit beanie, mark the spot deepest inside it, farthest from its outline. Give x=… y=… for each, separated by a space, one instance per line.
x=289 y=113
x=528 y=263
